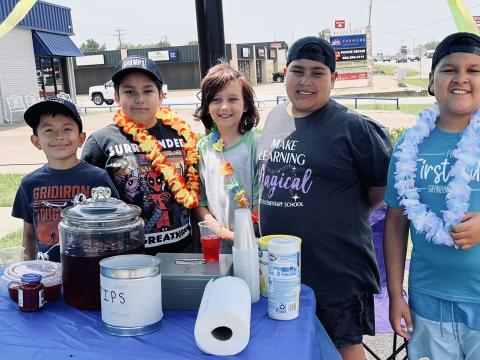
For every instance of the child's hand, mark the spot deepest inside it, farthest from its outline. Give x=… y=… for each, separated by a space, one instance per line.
x=227 y=235
x=399 y=310
x=467 y=233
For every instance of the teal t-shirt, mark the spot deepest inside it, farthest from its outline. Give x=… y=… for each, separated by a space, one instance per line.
x=438 y=270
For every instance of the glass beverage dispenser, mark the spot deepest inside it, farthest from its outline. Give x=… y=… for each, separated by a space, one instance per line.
x=95 y=229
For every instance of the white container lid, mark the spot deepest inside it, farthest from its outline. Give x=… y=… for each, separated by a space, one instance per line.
x=284 y=245
x=51 y=272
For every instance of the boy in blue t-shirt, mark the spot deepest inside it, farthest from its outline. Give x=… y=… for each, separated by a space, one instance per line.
x=434 y=189
x=63 y=181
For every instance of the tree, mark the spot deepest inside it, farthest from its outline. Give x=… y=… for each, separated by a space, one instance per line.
x=193 y=42
x=431 y=45
x=160 y=44
x=128 y=46
x=321 y=34
x=91 y=45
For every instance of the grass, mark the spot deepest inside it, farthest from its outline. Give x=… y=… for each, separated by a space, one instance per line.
x=412 y=73
x=421 y=83
x=385 y=69
x=8 y=188
x=12 y=239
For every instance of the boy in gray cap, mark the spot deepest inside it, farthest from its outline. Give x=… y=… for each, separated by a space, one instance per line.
x=434 y=191
x=138 y=178
x=322 y=169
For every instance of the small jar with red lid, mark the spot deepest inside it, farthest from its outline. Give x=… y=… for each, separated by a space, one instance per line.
x=31 y=293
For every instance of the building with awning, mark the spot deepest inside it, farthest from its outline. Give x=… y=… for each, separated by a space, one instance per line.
x=36 y=57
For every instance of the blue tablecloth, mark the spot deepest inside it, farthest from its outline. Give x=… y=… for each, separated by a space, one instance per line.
x=60 y=331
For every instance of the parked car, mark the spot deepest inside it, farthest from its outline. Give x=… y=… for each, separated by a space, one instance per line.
x=401 y=58
x=100 y=94
x=412 y=57
x=387 y=58
x=278 y=77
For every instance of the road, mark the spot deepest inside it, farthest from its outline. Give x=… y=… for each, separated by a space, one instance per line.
x=422 y=67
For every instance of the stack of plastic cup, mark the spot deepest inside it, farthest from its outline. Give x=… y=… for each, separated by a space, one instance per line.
x=245 y=252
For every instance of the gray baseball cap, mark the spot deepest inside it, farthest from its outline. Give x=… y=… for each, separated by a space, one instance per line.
x=136 y=63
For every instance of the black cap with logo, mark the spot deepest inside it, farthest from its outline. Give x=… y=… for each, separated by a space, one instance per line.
x=51 y=105
x=136 y=63
x=461 y=42
x=312 y=48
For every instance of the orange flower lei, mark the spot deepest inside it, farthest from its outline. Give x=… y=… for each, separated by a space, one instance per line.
x=226 y=169
x=186 y=193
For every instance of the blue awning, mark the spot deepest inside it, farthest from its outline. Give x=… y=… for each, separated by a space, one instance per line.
x=50 y=44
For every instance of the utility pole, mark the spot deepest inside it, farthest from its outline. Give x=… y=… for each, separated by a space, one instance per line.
x=370 y=13
x=119 y=33
x=211 y=38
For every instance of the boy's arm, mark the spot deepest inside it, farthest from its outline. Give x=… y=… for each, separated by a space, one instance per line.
x=28 y=241
x=376 y=195
x=93 y=154
x=467 y=233
x=395 y=250
x=203 y=214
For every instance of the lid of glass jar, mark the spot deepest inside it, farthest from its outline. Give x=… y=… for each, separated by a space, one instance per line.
x=51 y=272
x=100 y=208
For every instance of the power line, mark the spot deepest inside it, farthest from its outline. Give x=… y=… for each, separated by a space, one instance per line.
x=119 y=34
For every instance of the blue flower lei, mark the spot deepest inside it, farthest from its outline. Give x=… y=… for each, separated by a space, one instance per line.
x=458 y=190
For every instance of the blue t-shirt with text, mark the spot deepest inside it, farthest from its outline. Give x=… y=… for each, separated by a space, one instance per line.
x=437 y=270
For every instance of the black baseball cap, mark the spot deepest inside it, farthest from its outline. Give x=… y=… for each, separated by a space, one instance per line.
x=312 y=48
x=461 y=42
x=52 y=104
x=136 y=63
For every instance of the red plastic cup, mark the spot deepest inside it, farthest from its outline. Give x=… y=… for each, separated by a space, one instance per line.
x=210 y=238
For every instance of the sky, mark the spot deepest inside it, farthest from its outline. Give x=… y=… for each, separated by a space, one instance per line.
x=394 y=22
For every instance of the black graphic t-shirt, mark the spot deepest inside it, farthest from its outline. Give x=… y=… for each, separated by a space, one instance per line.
x=314 y=176
x=167 y=223
x=44 y=193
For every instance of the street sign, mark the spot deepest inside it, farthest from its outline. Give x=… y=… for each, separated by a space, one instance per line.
x=352 y=76
x=349 y=41
x=350 y=54
x=342 y=32
x=339 y=24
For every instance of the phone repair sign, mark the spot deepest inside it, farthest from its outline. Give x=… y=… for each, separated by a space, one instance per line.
x=350 y=54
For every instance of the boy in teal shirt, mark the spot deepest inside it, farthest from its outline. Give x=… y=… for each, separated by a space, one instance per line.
x=433 y=189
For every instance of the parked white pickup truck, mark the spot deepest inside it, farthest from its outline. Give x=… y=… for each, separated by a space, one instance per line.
x=104 y=93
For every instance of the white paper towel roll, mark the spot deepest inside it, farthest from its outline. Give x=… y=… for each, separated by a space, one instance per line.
x=223 y=321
